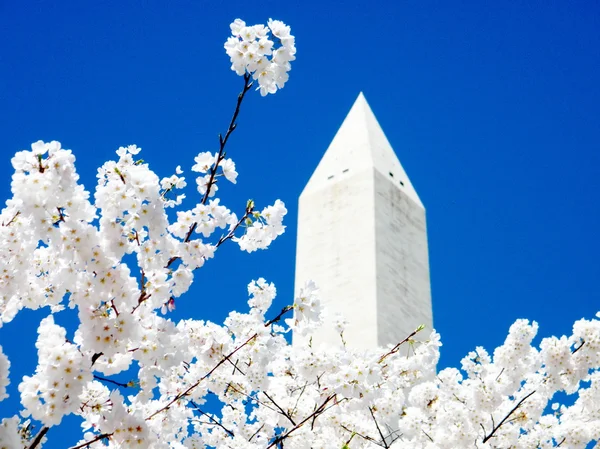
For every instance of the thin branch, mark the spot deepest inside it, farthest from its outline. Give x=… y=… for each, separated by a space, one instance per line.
x=285 y=310
x=12 y=219
x=114 y=382
x=256 y=433
x=383 y=442
x=485 y=439
x=235 y=368
x=318 y=411
x=220 y=156
x=93 y=440
x=298 y=398
x=251 y=398
x=397 y=347
x=364 y=437
x=325 y=409
x=191 y=387
x=229 y=432
x=427 y=435
x=283 y=412
x=579 y=347
x=231 y=233
x=230 y=129
x=222 y=144
x=38 y=438
x=498 y=377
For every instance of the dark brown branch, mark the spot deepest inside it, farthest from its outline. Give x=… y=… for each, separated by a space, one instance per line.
x=12 y=219
x=235 y=368
x=231 y=233
x=222 y=144
x=514 y=409
x=256 y=433
x=285 y=310
x=283 y=412
x=195 y=384
x=427 y=435
x=250 y=398
x=383 y=442
x=61 y=215
x=364 y=437
x=298 y=398
x=578 y=348
x=118 y=172
x=38 y=438
x=143 y=295
x=114 y=382
x=336 y=402
x=397 y=347
x=96 y=356
x=220 y=156
x=498 y=377
x=223 y=140
x=318 y=411
x=229 y=432
x=93 y=440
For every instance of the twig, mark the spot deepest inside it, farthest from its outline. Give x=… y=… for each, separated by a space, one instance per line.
x=229 y=432
x=318 y=411
x=283 y=412
x=114 y=382
x=220 y=157
x=485 y=439
x=191 y=387
x=298 y=398
x=235 y=368
x=256 y=433
x=364 y=437
x=427 y=435
x=251 y=398
x=579 y=347
x=93 y=440
x=383 y=442
x=223 y=140
x=285 y=310
x=222 y=143
x=231 y=233
x=12 y=219
x=143 y=295
x=397 y=347
x=38 y=438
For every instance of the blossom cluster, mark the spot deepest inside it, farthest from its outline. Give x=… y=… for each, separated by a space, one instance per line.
x=253 y=52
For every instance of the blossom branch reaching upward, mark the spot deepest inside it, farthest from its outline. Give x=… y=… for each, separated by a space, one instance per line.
x=222 y=143
x=231 y=233
x=397 y=347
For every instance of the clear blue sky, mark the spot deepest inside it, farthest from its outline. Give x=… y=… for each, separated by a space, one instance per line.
x=493 y=110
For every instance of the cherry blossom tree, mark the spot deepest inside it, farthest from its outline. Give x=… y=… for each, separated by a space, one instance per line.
x=240 y=384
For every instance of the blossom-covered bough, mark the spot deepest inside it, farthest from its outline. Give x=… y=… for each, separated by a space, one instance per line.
x=241 y=384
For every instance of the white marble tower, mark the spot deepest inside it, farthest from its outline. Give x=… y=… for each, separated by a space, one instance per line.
x=362 y=237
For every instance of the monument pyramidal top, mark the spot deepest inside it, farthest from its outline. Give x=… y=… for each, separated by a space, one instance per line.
x=362 y=238
x=360 y=142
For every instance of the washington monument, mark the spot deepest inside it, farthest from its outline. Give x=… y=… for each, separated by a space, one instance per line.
x=362 y=238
